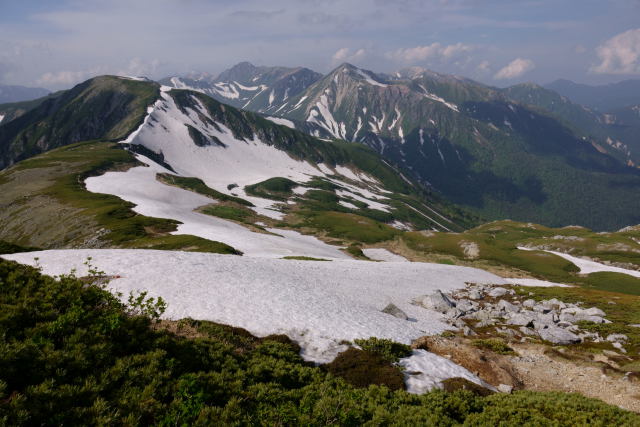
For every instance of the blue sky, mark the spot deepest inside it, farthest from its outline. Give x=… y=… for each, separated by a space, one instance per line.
x=57 y=44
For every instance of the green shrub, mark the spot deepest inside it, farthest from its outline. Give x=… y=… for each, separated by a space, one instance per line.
x=389 y=350
x=494 y=344
x=362 y=368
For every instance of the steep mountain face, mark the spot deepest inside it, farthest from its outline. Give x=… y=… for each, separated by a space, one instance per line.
x=246 y=86
x=474 y=144
x=20 y=93
x=101 y=108
x=603 y=98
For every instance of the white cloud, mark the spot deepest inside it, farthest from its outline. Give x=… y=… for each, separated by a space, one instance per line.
x=619 y=54
x=433 y=51
x=346 y=55
x=515 y=68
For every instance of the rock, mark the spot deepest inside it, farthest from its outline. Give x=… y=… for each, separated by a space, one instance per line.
x=504 y=388
x=453 y=313
x=475 y=294
x=497 y=292
x=529 y=303
x=393 y=310
x=619 y=346
x=617 y=337
x=521 y=319
x=507 y=307
x=527 y=331
x=595 y=319
x=594 y=311
x=554 y=303
x=486 y=322
x=558 y=335
x=466 y=305
x=436 y=301
x=566 y=318
x=467 y=331
x=539 y=308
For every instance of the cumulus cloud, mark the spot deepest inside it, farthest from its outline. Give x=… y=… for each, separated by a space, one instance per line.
x=347 y=55
x=619 y=54
x=514 y=69
x=433 y=51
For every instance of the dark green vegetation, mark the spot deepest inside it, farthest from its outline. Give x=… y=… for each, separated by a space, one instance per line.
x=304 y=258
x=494 y=344
x=72 y=354
x=389 y=350
x=273 y=188
x=46 y=204
x=104 y=107
x=12 y=248
x=196 y=185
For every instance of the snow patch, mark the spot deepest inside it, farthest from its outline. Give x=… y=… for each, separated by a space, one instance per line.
x=318 y=304
x=435 y=97
x=369 y=79
x=281 y=121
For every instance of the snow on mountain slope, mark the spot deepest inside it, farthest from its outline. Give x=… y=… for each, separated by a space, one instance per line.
x=281 y=121
x=152 y=198
x=318 y=304
x=221 y=165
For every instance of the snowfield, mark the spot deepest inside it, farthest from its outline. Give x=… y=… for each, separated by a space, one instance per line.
x=318 y=304
x=587 y=266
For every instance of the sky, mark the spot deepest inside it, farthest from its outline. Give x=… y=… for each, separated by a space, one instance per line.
x=56 y=44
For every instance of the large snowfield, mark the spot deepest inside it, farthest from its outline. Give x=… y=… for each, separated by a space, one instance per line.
x=316 y=303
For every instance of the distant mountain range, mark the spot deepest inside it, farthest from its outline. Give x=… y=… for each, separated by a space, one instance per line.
x=524 y=152
x=604 y=98
x=20 y=93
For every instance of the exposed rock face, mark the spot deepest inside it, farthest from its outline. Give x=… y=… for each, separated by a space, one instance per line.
x=557 y=335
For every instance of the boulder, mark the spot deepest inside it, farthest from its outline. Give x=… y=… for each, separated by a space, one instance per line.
x=554 y=303
x=529 y=303
x=436 y=301
x=558 y=335
x=497 y=292
x=507 y=307
x=505 y=388
x=521 y=319
x=466 y=305
x=475 y=294
x=393 y=310
x=594 y=311
x=589 y=318
x=617 y=337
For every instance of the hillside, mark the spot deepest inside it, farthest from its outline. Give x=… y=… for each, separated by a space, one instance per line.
x=101 y=108
x=603 y=97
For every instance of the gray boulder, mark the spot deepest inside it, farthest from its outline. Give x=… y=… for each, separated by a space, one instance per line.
x=558 y=335
x=393 y=310
x=436 y=301
x=529 y=303
x=475 y=294
x=617 y=337
x=497 y=292
x=522 y=319
x=466 y=305
x=507 y=307
x=594 y=311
